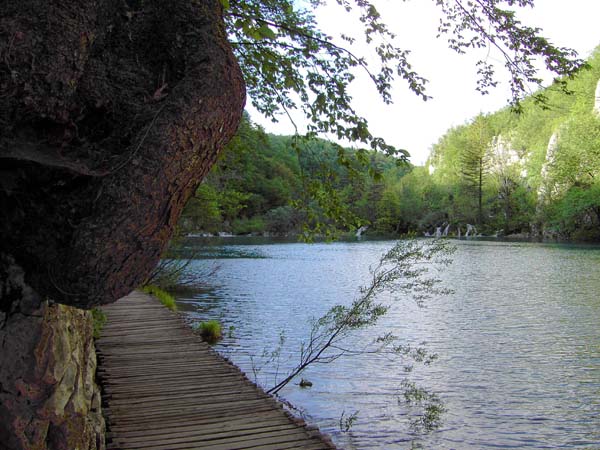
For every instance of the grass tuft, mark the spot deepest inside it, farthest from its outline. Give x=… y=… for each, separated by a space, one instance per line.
x=210 y=331
x=163 y=296
x=99 y=319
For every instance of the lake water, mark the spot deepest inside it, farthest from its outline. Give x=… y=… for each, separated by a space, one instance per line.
x=518 y=341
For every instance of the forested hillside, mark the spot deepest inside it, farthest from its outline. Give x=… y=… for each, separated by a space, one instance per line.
x=533 y=173
x=281 y=184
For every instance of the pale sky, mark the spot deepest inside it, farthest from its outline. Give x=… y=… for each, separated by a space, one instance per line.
x=415 y=125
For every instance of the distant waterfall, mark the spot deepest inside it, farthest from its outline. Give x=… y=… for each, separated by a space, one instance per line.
x=544 y=188
x=361 y=230
x=471 y=230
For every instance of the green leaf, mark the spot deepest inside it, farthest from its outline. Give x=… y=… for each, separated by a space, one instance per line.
x=266 y=32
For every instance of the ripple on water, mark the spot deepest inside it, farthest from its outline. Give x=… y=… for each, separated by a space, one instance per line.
x=519 y=341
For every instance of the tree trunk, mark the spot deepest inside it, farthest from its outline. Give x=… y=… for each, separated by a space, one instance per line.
x=111 y=113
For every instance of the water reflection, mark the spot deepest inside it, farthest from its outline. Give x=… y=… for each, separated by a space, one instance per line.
x=518 y=341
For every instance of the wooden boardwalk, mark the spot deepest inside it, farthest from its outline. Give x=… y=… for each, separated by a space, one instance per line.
x=165 y=389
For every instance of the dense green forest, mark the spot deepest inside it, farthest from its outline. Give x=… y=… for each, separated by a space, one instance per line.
x=533 y=173
x=265 y=183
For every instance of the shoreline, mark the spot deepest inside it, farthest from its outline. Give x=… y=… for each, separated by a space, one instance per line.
x=350 y=237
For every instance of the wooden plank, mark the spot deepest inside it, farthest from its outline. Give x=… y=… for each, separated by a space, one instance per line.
x=188 y=419
x=211 y=425
x=163 y=388
x=179 y=378
x=256 y=440
x=200 y=434
x=163 y=409
x=173 y=386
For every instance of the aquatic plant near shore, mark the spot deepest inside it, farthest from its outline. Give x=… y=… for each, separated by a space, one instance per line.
x=210 y=331
x=163 y=296
x=171 y=272
x=269 y=357
x=346 y=421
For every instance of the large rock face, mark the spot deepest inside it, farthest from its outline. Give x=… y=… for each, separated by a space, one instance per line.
x=48 y=396
x=111 y=114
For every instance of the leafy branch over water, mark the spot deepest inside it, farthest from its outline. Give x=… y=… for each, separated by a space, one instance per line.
x=402 y=271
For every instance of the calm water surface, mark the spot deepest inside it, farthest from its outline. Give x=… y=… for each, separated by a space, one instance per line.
x=518 y=341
